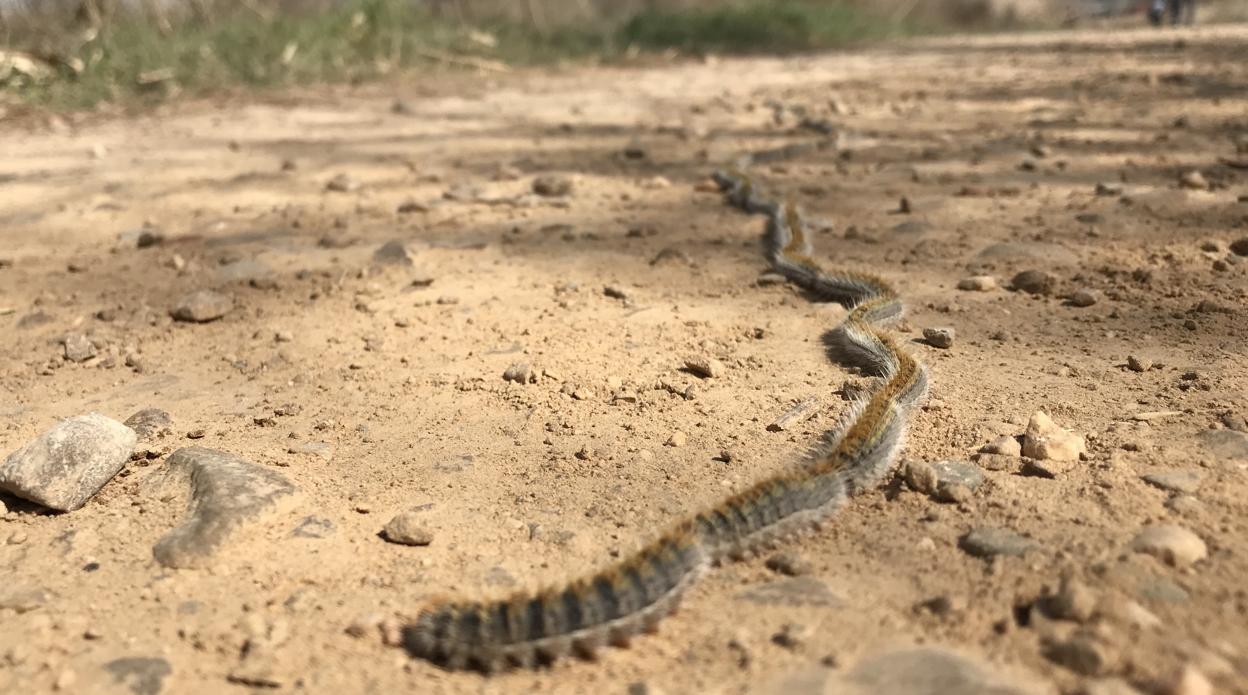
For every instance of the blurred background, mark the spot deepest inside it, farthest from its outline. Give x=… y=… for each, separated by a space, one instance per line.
x=76 y=53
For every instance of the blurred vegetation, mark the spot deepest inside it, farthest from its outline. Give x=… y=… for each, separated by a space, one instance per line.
x=77 y=53
x=773 y=27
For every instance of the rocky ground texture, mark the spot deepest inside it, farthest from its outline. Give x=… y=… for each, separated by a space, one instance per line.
x=276 y=373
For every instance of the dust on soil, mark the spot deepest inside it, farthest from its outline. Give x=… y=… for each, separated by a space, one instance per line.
x=998 y=145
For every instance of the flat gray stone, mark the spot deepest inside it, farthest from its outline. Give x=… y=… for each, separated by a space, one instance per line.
x=393 y=252
x=986 y=541
x=796 y=591
x=63 y=467
x=906 y=671
x=1226 y=444
x=143 y=675
x=228 y=494
x=939 y=479
x=202 y=306
x=1162 y=590
x=1175 y=481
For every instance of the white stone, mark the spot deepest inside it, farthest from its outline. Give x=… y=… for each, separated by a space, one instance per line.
x=978 y=283
x=1045 y=441
x=1005 y=446
x=1171 y=544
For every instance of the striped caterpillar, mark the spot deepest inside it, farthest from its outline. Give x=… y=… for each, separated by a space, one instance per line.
x=613 y=605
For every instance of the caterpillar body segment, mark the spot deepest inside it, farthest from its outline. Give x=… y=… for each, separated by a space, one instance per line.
x=633 y=595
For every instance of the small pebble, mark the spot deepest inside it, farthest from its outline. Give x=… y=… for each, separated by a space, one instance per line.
x=945 y=481
x=150 y=423
x=986 y=541
x=552 y=185
x=944 y=606
x=677 y=439
x=705 y=367
x=78 y=347
x=616 y=292
x=1175 y=481
x=1174 y=545
x=1235 y=422
x=342 y=183
x=1083 y=654
x=1045 y=441
x=202 y=306
x=1139 y=364
x=1194 y=180
x=1084 y=298
x=1004 y=445
x=788 y=563
x=1044 y=469
x=792 y=635
x=939 y=337
x=1035 y=282
x=1074 y=601
x=1239 y=247
x=394 y=253
x=1185 y=505
x=953 y=493
x=978 y=283
x=521 y=373
x=406 y=529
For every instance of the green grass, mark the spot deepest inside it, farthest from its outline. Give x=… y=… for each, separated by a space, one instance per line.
x=758 y=27
x=364 y=39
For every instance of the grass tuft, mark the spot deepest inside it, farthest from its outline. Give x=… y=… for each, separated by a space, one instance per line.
x=758 y=27
x=131 y=58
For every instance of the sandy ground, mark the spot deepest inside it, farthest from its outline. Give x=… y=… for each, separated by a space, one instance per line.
x=997 y=144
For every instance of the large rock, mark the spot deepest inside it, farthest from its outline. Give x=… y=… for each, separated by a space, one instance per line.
x=228 y=494
x=65 y=466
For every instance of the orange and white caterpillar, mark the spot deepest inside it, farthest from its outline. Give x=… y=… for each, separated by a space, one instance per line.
x=632 y=596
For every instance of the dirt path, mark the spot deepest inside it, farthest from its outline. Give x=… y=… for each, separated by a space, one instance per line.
x=375 y=395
